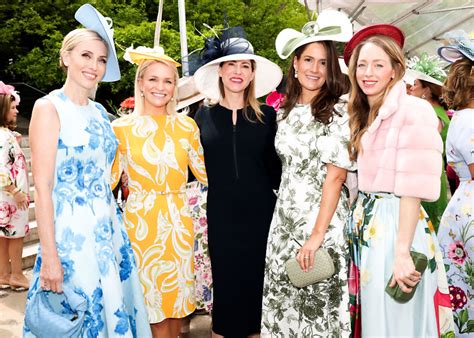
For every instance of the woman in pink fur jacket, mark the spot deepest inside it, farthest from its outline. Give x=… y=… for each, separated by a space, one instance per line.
x=395 y=140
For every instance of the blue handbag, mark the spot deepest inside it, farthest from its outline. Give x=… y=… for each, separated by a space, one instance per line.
x=51 y=314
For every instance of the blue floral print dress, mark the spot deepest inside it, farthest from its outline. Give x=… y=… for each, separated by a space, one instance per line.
x=91 y=239
x=456 y=230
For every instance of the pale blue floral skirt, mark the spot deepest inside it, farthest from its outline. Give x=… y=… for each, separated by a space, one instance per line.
x=373 y=231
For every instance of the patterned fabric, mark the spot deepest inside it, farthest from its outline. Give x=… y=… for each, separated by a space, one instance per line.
x=197 y=199
x=456 y=231
x=373 y=229
x=155 y=152
x=13 y=221
x=91 y=240
x=321 y=309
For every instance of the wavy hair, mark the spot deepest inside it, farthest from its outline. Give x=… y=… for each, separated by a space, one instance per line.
x=140 y=100
x=361 y=115
x=336 y=84
x=458 y=90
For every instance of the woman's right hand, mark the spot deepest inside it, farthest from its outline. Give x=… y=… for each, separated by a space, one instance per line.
x=21 y=200
x=51 y=274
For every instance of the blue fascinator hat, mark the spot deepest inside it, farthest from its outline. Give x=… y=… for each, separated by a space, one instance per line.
x=90 y=18
x=459 y=46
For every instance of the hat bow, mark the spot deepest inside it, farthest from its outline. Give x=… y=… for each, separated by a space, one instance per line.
x=309 y=30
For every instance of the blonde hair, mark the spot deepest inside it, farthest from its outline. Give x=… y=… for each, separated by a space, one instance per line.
x=458 y=90
x=140 y=100
x=361 y=115
x=249 y=98
x=75 y=37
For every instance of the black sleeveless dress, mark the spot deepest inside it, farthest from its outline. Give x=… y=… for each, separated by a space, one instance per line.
x=243 y=169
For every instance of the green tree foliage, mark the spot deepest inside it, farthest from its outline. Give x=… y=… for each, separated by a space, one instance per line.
x=32 y=31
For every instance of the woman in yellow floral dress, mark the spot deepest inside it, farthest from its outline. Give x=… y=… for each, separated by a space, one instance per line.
x=156 y=146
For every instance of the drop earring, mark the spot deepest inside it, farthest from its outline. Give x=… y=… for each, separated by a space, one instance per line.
x=141 y=94
x=296 y=73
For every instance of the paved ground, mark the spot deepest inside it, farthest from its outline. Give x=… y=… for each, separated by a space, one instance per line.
x=12 y=306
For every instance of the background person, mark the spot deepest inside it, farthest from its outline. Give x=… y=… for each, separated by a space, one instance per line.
x=14 y=194
x=456 y=231
x=428 y=75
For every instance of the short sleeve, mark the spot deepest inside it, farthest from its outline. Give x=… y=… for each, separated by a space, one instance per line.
x=460 y=140
x=333 y=145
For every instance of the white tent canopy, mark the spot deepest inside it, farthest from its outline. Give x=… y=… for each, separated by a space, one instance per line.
x=423 y=22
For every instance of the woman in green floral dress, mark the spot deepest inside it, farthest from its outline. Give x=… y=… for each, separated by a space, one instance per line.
x=312 y=207
x=428 y=75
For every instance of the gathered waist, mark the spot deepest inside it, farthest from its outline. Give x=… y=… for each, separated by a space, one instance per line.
x=377 y=195
x=158 y=192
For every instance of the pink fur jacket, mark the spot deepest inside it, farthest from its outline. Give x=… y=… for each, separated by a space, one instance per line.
x=402 y=148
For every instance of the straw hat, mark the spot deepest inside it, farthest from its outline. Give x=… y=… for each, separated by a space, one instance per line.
x=90 y=18
x=187 y=92
x=136 y=55
x=426 y=68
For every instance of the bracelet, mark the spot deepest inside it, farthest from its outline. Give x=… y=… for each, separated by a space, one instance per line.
x=14 y=191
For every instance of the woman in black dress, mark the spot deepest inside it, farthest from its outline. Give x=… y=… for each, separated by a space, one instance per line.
x=243 y=168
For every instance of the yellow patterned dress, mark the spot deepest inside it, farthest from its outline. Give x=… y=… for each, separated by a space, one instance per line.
x=155 y=152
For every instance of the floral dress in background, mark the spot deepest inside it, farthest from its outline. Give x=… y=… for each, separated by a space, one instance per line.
x=91 y=239
x=13 y=221
x=318 y=310
x=456 y=231
x=197 y=199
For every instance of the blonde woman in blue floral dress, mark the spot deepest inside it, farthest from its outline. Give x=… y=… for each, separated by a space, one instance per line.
x=83 y=241
x=456 y=231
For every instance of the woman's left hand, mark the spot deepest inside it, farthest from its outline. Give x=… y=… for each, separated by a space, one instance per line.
x=305 y=256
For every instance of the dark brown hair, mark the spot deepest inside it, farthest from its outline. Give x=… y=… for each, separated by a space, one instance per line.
x=336 y=84
x=458 y=90
x=5 y=104
x=361 y=115
x=435 y=91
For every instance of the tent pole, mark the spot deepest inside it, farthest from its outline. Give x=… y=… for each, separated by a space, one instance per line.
x=183 y=36
x=156 y=41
